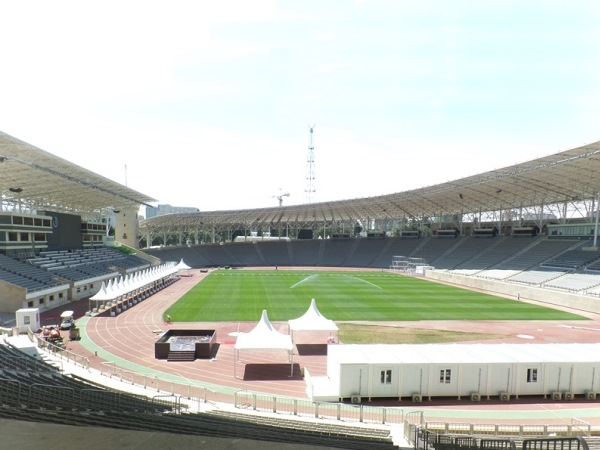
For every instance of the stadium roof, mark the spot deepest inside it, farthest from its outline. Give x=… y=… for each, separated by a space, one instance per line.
x=568 y=176
x=43 y=181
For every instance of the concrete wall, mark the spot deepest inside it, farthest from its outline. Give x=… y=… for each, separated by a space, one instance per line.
x=553 y=297
x=11 y=297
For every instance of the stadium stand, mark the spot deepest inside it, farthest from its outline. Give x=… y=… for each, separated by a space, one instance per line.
x=365 y=251
x=247 y=254
x=336 y=251
x=306 y=252
x=22 y=274
x=574 y=258
x=535 y=277
x=467 y=250
x=274 y=253
x=540 y=250
x=34 y=391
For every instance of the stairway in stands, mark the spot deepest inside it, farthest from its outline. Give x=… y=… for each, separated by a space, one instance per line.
x=181 y=355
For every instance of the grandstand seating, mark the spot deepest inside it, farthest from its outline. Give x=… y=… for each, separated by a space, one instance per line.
x=395 y=247
x=433 y=249
x=26 y=276
x=335 y=252
x=506 y=248
x=274 y=253
x=574 y=282
x=34 y=391
x=540 y=250
x=247 y=254
x=573 y=258
x=306 y=252
x=364 y=252
x=465 y=254
x=535 y=277
x=83 y=264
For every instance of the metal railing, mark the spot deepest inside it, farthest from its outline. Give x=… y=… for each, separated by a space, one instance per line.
x=61 y=352
x=194 y=394
x=318 y=410
x=413 y=421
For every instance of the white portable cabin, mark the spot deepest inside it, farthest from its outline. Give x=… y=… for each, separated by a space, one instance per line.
x=425 y=371
x=27 y=318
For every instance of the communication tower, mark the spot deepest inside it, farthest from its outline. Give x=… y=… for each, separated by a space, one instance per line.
x=310 y=168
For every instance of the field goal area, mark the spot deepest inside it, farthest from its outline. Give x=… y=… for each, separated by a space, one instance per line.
x=409 y=266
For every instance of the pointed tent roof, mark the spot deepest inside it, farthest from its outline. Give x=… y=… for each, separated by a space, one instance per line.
x=312 y=320
x=102 y=294
x=264 y=337
x=182 y=265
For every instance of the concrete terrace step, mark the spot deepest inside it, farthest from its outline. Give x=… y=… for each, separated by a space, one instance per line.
x=181 y=355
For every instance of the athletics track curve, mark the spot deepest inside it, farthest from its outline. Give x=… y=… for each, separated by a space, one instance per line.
x=127 y=340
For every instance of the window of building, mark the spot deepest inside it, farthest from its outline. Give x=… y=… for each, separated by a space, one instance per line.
x=532 y=375
x=30 y=304
x=445 y=376
x=13 y=236
x=41 y=301
x=17 y=220
x=386 y=376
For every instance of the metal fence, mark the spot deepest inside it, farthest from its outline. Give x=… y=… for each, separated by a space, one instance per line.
x=423 y=439
x=318 y=410
x=59 y=351
x=416 y=429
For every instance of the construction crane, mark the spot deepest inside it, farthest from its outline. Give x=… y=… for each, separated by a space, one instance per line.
x=280 y=196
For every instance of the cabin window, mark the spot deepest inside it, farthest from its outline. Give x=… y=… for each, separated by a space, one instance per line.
x=445 y=376
x=386 y=376
x=532 y=375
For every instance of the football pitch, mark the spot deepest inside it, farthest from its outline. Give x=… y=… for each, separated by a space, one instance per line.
x=242 y=295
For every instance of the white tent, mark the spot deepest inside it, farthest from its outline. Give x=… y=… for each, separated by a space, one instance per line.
x=182 y=265
x=183 y=268
x=263 y=337
x=104 y=295
x=312 y=320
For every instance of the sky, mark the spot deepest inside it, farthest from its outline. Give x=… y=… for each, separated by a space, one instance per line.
x=209 y=104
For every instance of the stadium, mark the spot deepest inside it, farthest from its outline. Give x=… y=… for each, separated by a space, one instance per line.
x=72 y=240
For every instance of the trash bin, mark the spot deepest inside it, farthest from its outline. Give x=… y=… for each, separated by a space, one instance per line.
x=74 y=334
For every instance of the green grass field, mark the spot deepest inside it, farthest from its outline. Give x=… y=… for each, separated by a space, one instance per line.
x=241 y=295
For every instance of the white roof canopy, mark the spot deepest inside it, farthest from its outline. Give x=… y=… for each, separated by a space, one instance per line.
x=182 y=265
x=264 y=337
x=312 y=320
